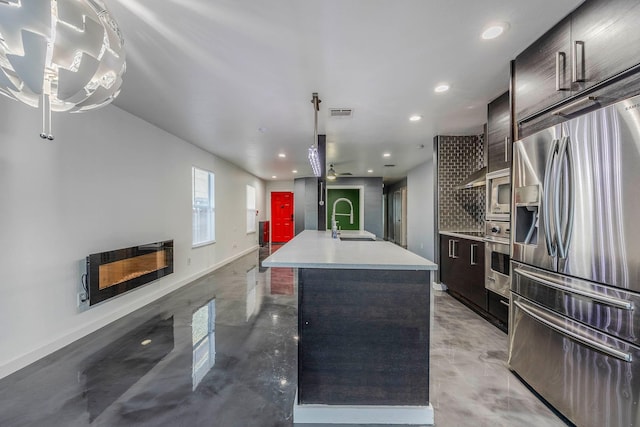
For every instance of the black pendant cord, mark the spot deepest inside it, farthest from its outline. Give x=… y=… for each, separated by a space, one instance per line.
x=316 y=107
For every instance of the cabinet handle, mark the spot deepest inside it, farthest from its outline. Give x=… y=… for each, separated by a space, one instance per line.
x=474 y=254
x=450 y=254
x=506 y=149
x=578 y=58
x=454 y=249
x=503 y=302
x=560 y=56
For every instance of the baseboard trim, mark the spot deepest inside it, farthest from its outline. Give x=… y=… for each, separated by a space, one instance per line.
x=362 y=414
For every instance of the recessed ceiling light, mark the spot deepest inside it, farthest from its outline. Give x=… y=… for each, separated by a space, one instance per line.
x=494 y=31
x=273 y=177
x=386 y=155
x=295 y=171
x=370 y=171
x=282 y=155
x=415 y=118
x=443 y=87
x=146 y=342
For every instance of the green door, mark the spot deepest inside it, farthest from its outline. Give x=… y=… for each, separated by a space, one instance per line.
x=346 y=202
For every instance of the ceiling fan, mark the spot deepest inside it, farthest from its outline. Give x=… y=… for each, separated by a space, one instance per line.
x=332 y=174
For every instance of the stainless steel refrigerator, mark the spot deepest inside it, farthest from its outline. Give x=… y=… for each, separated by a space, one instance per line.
x=575 y=279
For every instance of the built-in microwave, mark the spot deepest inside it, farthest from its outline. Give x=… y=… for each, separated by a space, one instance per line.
x=499 y=195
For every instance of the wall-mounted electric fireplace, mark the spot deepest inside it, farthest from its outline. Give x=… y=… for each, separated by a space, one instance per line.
x=115 y=272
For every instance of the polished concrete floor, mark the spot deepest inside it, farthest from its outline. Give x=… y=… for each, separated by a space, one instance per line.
x=222 y=352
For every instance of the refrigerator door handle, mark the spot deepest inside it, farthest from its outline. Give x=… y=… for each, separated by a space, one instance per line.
x=559 y=209
x=579 y=338
x=569 y=199
x=546 y=200
x=599 y=298
x=564 y=229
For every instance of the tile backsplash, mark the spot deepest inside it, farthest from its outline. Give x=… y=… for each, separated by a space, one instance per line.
x=459 y=157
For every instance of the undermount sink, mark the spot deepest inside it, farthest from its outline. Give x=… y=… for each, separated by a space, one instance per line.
x=358 y=238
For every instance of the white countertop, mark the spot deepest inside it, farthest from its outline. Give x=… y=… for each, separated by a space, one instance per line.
x=469 y=235
x=316 y=249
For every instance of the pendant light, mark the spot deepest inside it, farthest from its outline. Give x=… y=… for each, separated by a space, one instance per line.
x=60 y=55
x=314 y=157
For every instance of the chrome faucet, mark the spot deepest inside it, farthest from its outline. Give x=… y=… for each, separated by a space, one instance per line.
x=334 y=214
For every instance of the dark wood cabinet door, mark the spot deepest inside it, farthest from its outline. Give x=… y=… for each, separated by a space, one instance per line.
x=542 y=71
x=444 y=265
x=472 y=256
x=498 y=143
x=463 y=273
x=498 y=307
x=605 y=40
x=450 y=273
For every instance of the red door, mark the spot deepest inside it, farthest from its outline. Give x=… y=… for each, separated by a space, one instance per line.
x=281 y=216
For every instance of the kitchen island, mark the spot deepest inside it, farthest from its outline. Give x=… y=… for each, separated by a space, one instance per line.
x=363 y=325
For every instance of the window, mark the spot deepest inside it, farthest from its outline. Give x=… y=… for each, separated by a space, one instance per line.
x=203 y=207
x=251 y=209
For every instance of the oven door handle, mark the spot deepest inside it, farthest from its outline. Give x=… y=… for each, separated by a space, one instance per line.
x=588 y=342
x=554 y=284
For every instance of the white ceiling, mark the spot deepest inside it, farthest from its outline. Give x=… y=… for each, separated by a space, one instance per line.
x=236 y=77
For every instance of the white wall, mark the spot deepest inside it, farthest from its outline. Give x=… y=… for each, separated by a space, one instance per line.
x=108 y=181
x=420 y=210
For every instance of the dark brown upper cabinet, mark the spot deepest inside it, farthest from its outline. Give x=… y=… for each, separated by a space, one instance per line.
x=542 y=76
x=498 y=135
x=596 y=42
x=605 y=40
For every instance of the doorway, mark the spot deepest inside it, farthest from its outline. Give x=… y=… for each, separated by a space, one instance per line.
x=399 y=217
x=281 y=216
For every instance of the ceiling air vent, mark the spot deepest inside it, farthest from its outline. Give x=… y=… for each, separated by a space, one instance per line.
x=389 y=166
x=340 y=112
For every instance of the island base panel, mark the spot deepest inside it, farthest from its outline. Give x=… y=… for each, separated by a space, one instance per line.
x=364 y=337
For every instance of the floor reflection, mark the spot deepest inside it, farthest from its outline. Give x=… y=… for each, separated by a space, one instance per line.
x=282 y=281
x=203 y=330
x=112 y=371
x=255 y=293
x=222 y=351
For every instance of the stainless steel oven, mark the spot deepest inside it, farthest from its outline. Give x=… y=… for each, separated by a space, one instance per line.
x=497 y=257
x=499 y=195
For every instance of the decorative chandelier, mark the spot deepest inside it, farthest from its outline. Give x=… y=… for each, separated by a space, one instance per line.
x=314 y=157
x=61 y=55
